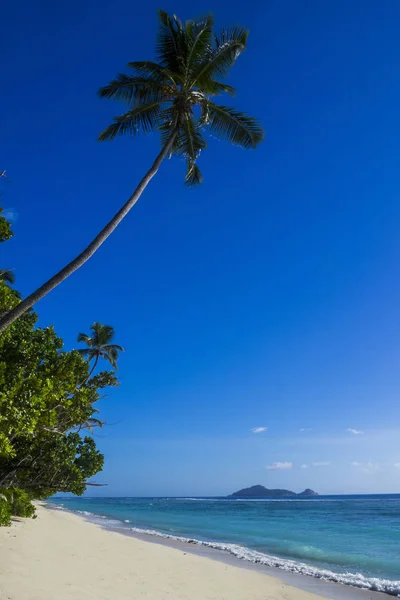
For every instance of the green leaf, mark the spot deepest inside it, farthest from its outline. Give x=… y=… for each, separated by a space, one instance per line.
x=134 y=89
x=155 y=72
x=191 y=142
x=171 y=44
x=193 y=175
x=199 y=36
x=115 y=347
x=143 y=118
x=5 y=228
x=219 y=60
x=214 y=88
x=83 y=337
x=236 y=127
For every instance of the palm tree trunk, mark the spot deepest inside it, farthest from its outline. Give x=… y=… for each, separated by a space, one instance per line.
x=92 y=369
x=80 y=260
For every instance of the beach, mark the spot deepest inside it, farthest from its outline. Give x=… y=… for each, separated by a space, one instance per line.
x=61 y=555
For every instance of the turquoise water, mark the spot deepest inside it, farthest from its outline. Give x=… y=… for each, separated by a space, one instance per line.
x=350 y=539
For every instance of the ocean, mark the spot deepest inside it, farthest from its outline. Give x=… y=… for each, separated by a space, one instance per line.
x=353 y=540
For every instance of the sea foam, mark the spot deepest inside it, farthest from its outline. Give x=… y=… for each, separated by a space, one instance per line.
x=355 y=579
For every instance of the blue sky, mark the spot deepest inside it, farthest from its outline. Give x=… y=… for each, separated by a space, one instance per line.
x=268 y=297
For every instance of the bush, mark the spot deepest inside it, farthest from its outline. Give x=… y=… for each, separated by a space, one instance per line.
x=21 y=506
x=5 y=512
x=18 y=503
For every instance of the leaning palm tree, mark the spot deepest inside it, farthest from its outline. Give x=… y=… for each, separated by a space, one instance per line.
x=99 y=346
x=7 y=276
x=173 y=96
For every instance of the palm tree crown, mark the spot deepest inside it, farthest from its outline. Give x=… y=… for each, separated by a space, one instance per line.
x=99 y=346
x=174 y=94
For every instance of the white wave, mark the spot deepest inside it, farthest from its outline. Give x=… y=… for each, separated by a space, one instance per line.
x=201 y=499
x=355 y=579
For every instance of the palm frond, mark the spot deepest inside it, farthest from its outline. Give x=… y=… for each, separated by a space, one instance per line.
x=85 y=352
x=194 y=142
x=7 y=276
x=112 y=357
x=171 y=46
x=214 y=88
x=218 y=62
x=193 y=175
x=133 y=89
x=155 y=72
x=143 y=118
x=102 y=334
x=168 y=120
x=86 y=339
x=236 y=127
x=199 y=35
x=114 y=347
x=189 y=144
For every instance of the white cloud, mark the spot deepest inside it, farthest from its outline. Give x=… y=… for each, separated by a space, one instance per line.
x=279 y=465
x=321 y=463
x=397 y=465
x=259 y=429
x=355 y=464
x=306 y=429
x=354 y=431
x=304 y=467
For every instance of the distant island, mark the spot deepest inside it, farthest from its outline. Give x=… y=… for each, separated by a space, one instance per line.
x=259 y=491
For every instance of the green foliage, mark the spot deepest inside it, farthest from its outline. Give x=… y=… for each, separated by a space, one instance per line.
x=18 y=501
x=5 y=228
x=56 y=463
x=40 y=387
x=5 y=511
x=44 y=407
x=173 y=94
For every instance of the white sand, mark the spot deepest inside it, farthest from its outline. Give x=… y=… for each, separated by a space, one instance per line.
x=60 y=556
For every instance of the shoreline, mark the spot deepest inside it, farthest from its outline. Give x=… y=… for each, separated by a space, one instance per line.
x=61 y=555
x=307 y=583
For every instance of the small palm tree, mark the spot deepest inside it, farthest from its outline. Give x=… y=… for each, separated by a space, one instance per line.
x=172 y=96
x=99 y=346
x=7 y=276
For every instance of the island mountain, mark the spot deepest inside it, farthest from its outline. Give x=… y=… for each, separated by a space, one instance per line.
x=259 y=491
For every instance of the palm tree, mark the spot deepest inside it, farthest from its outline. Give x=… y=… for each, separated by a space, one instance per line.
x=99 y=346
x=174 y=97
x=7 y=276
